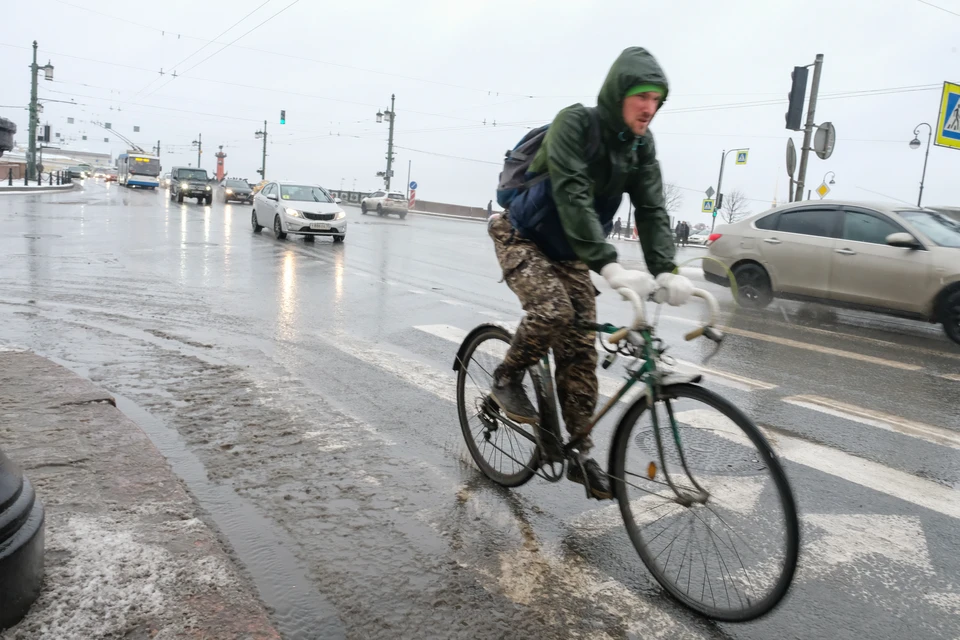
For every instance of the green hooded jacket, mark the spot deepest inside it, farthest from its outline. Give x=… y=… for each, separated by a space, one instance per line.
x=626 y=163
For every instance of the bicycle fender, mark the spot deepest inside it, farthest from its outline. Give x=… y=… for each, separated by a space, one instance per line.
x=461 y=351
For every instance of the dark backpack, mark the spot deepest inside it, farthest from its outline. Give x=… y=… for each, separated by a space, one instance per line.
x=514 y=178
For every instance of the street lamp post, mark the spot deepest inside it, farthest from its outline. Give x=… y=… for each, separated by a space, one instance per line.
x=915 y=144
x=392 y=116
x=32 y=142
x=198 y=143
x=832 y=180
x=262 y=134
x=723 y=157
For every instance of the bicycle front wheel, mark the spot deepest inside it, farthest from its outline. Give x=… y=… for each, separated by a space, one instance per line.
x=729 y=554
x=504 y=451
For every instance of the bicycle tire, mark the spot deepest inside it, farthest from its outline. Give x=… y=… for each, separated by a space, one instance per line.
x=766 y=460
x=524 y=467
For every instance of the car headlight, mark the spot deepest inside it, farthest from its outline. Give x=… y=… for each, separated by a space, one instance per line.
x=340 y=215
x=208 y=187
x=229 y=190
x=293 y=213
x=184 y=185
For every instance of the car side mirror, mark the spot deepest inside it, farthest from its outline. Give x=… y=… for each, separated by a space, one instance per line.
x=272 y=197
x=337 y=200
x=903 y=240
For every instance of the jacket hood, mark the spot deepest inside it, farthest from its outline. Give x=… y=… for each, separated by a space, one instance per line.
x=634 y=66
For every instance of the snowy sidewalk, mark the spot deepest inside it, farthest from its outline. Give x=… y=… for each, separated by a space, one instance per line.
x=126 y=553
x=33 y=187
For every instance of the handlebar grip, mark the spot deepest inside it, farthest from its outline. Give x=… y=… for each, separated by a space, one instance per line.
x=618 y=335
x=693 y=335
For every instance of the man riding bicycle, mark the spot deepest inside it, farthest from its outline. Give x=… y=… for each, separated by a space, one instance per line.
x=554 y=232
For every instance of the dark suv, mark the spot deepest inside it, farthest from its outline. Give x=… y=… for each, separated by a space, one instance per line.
x=236 y=189
x=188 y=182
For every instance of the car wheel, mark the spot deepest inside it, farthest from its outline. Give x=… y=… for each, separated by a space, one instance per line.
x=754 y=290
x=278 y=228
x=180 y=198
x=339 y=238
x=308 y=238
x=363 y=208
x=949 y=314
x=403 y=215
x=253 y=222
x=210 y=199
x=379 y=210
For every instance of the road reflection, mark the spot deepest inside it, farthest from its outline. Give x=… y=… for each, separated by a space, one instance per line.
x=286 y=326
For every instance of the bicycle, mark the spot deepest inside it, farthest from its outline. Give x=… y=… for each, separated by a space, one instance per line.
x=682 y=482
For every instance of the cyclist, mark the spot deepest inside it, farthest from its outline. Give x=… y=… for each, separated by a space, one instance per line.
x=555 y=231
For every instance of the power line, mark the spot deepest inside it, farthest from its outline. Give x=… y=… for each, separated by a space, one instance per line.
x=243 y=35
x=197 y=51
x=443 y=155
x=930 y=4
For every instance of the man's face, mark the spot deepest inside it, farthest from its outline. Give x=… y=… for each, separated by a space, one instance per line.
x=639 y=109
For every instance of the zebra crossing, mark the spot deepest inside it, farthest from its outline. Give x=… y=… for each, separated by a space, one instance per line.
x=864 y=521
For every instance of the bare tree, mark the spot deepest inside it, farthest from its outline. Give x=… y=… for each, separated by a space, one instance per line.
x=734 y=206
x=672 y=197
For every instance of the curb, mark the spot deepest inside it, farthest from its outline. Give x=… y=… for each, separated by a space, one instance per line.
x=40 y=189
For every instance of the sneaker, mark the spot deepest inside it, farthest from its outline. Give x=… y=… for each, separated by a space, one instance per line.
x=596 y=482
x=513 y=401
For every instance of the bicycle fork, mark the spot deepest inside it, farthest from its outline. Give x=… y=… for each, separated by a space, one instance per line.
x=683 y=497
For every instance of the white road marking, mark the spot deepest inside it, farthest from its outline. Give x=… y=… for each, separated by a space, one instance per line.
x=951 y=376
x=608 y=386
x=866 y=473
x=830 y=351
x=848 y=538
x=453 y=303
x=731 y=380
x=873 y=418
x=416 y=291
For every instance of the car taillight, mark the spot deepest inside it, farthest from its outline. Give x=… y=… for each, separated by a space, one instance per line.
x=713 y=238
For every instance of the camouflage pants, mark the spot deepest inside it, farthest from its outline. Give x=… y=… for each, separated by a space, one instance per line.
x=553 y=295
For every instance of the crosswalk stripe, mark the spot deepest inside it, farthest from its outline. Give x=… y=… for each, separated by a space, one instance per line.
x=873 y=418
x=865 y=473
x=951 y=376
x=608 y=385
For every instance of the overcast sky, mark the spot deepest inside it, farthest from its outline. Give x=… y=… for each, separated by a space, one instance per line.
x=457 y=65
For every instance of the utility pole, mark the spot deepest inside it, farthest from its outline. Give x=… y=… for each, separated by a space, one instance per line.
x=719 y=201
x=158 y=148
x=409 y=167
x=808 y=128
x=199 y=143
x=263 y=166
x=34 y=112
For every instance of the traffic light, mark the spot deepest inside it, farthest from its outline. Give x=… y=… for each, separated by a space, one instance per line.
x=794 y=114
x=45 y=136
x=718 y=203
x=283 y=116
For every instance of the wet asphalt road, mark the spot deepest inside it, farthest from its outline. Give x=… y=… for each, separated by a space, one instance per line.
x=313 y=380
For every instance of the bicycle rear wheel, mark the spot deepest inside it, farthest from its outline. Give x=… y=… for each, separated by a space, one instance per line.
x=506 y=452
x=731 y=558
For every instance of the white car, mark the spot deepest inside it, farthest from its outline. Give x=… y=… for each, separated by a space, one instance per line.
x=385 y=202
x=697 y=238
x=299 y=209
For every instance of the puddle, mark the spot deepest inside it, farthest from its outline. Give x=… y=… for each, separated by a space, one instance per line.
x=296 y=608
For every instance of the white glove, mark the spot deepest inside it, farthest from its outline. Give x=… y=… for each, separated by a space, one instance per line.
x=639 y=281
x=674 y=290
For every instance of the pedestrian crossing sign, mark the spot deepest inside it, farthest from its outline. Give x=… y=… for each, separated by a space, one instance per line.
x=707 y=205
x=948 y=125
x=742 y=157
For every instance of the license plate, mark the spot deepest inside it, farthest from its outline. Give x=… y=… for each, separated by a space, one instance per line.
x=319 y=226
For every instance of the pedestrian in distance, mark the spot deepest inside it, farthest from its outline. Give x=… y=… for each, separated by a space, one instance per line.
x=617 y=228
x=489 y=208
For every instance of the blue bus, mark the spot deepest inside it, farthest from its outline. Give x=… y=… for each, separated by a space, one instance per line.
x=138 y=170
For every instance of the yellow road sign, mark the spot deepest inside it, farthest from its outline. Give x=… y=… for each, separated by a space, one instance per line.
x=948 y=124
x=742 y=157
x=823 y=190
x=707 y=205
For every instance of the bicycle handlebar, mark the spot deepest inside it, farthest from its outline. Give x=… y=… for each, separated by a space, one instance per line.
x=639 y=319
